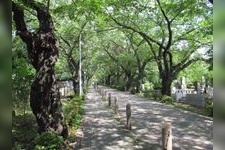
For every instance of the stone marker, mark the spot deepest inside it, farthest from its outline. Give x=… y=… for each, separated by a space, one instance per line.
x=178 y=95
x=166 y=136
x=128 y=113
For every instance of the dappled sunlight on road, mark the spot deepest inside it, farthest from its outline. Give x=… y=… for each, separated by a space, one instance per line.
x=190 y=130
x=99 y=129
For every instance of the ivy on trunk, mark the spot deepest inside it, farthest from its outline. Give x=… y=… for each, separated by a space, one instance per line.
x=42 y=49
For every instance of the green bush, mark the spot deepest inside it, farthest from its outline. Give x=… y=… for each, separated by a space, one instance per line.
x=132 y=90
x=48 y=141
x=156 y=95
x=73 y=110
x=209 y=107
x=166 y=99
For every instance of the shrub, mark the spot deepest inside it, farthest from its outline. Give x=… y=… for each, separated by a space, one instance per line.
x=209 y=107
x=156 y=95
x=132 y=90
x=73 y=110
x=166 y=99
x=48 y=140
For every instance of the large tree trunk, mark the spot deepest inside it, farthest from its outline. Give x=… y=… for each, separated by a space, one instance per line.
x=43 y=53
x=166 y=82
x=44 y=95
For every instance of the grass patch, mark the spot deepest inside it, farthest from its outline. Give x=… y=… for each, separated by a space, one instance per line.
x=187 y=107
x=25 y=130
x=206 y=110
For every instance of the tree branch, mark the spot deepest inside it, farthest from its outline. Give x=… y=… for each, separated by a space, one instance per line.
x=186 y=64
x=142 y=34
x=45 y=19
x=184 y=34
x=21 y=27
x=117 y=61
x=48 y=5
x=65 y=41
x=168 y=26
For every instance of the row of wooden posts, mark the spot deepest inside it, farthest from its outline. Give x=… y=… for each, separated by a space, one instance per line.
x=166 y=127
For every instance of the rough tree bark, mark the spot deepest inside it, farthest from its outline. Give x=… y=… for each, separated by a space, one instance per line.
x=42 y=49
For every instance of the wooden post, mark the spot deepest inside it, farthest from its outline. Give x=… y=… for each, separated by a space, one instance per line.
x=115 y=105
x=105 y=95
x=128 y=113
x=109 y=99
x=166 y=136
x=102 y=93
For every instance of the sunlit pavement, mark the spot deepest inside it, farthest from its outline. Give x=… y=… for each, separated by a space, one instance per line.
x=190 y=131
x=100 y=131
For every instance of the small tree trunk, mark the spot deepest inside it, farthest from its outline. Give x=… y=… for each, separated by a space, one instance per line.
x=75 y=86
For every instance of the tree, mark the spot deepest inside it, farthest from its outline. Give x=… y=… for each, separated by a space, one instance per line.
x=42 y=48
x=73 y=62
x=167 y=32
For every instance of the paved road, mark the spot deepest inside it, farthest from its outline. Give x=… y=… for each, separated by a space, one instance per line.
x=100 y=131
x=190 y=131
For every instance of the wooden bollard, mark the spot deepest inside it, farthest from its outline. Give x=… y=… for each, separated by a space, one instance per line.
x=166 y=136
x=101 y=91
x=128 y=113
x=105 y=95
x=109 y=99
x=115 y=105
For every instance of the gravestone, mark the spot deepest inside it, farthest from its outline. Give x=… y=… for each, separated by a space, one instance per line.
x=203 y=86
x=199 y=88
x=183 y=87
x=178 y=94
x=209 y=91
x=177 y=84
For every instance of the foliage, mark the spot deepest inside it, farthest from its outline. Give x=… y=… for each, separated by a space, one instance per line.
x=167 y=99
x=48 y=140
x=23 y=73
x=20 y=133
x=73 y=110
x=156 y=94
x=209 y=107
x=132 y=90
x=195 y=72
